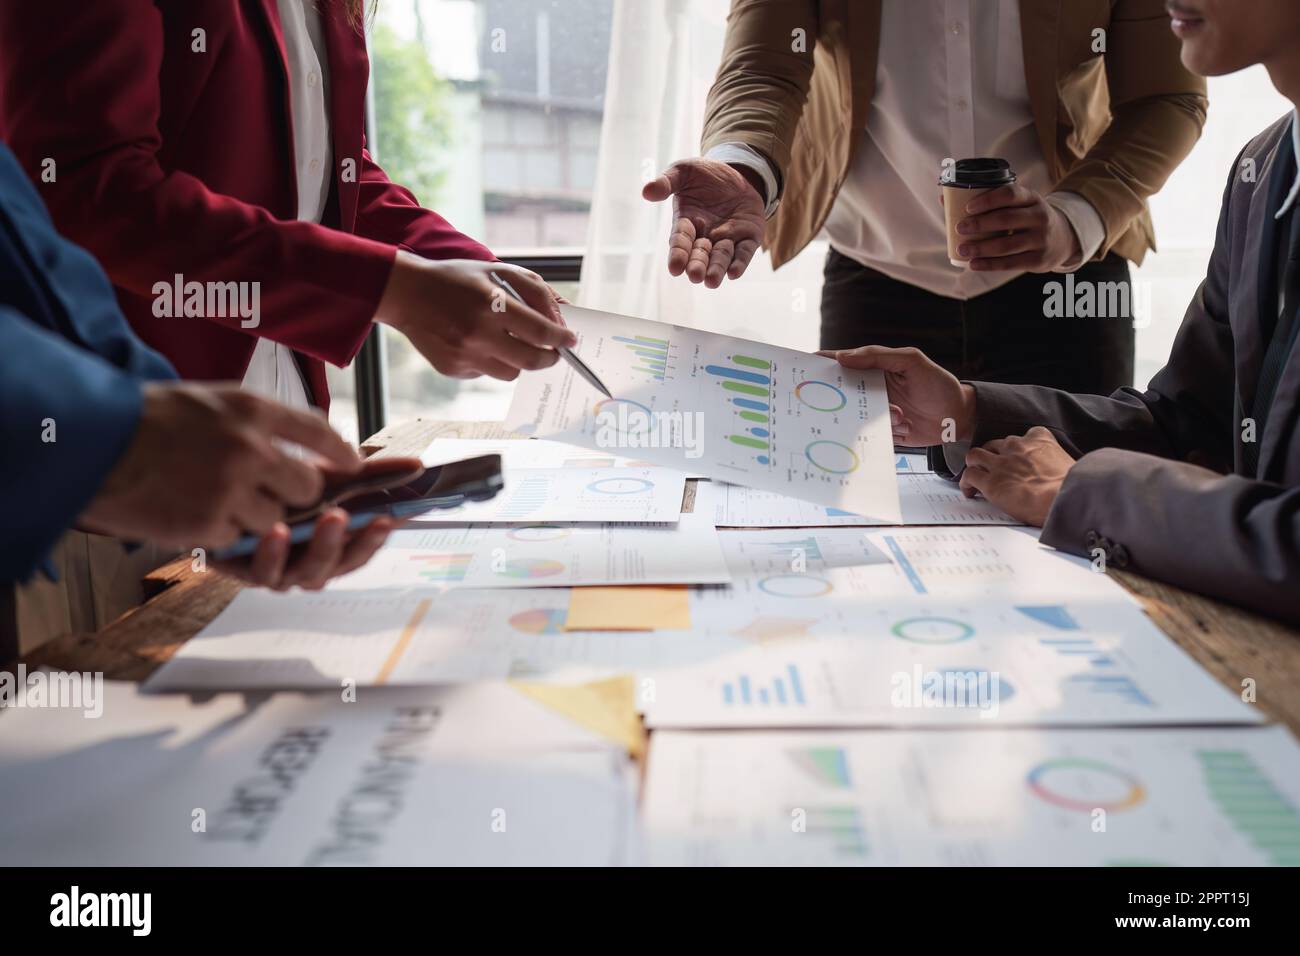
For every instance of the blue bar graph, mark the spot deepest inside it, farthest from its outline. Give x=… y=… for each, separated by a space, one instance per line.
x=1100 y=681
x=905 y=565
x=1079 y=647
x=1115 y=685
x=740 y=375
x=651 y=353
x=795 y=687
x=750 y=404
x=785 y=690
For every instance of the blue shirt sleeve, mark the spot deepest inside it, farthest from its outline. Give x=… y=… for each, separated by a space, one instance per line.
x=71 y=377
x=67 y=417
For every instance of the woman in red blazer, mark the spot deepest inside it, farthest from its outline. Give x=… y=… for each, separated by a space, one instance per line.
x=161 y=136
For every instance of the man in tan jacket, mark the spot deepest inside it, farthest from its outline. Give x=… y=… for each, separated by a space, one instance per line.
x=841 y=114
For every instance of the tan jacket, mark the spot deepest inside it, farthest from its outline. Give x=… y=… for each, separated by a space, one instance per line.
x=1112 y=126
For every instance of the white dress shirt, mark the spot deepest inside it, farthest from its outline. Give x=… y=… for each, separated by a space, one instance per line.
x=950 y=83
x=272 y=371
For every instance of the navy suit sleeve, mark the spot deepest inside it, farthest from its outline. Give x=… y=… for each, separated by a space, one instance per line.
x=68 y=416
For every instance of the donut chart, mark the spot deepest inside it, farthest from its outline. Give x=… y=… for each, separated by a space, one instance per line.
x=932 y=630
x=832 y=457
x=820 y=396
x=624 y=415
x=621 y=486
x=1077 y=783
x=795 y=586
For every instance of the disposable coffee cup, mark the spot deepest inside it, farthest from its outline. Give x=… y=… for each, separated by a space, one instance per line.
x=961 y=182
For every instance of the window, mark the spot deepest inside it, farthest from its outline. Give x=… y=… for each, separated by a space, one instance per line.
x=489 y=111
x=1186 y=211
x=492 y=111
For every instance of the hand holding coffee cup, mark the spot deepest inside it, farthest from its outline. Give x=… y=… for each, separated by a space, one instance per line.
x=960 y=183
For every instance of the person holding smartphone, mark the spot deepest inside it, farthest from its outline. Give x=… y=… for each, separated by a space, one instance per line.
x=219 y=146
x=97 y=433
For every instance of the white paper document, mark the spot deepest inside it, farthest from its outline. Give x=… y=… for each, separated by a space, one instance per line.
x=1206 y=797
x=910 y=462
x=552 y=481
x=575 y=495
x=811 y=567
x=548 y=555
x=473 y=775
x=520 y=453
x=265 y=640
x=923 y=663
x=733 y=410
x=1006 y=562
x=926 y=499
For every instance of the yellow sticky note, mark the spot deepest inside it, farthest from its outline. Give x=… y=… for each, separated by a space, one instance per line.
x=605 y=707
x=629 y=609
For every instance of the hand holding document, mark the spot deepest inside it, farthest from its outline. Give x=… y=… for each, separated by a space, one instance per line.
x=733 y=410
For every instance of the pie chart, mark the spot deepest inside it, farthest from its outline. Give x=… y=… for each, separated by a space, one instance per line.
x=539 y=620
x=532 y=568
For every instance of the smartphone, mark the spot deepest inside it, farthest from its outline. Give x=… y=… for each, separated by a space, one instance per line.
x=397 y=488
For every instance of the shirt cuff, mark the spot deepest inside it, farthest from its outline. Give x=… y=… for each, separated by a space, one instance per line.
x=954 y=456
x=739 y=154
x=1086 y=223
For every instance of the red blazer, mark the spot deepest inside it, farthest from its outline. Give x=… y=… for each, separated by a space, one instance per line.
x=168 y=161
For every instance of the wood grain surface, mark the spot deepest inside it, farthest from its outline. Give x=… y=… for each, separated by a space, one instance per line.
x=1234 y=645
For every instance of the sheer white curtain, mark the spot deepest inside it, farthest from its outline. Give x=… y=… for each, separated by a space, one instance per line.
x=663 y=58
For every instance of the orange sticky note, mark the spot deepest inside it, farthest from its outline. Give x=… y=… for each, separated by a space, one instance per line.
x=648 y=608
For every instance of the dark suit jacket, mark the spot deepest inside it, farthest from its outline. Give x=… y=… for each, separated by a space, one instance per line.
x=1161 y=484
x=171 y=160
x=70 y=377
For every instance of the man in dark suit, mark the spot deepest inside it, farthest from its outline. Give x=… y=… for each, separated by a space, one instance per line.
x=95 y=431
x=1195 y=481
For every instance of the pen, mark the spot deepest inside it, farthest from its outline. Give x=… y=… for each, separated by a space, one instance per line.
x=567 y=354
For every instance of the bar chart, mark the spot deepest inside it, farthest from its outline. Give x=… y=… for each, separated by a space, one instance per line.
x=651 y=354
x=784 y=689
x=748 y=380
x=1254 y=806
x=441 y=567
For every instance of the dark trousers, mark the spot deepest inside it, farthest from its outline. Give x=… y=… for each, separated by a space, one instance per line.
x=1005 y=335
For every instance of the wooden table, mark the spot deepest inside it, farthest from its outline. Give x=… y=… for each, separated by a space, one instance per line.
x=1232 y=644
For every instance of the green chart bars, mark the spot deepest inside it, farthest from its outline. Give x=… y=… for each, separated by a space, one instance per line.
x=651 y=354
x=1253 y=805
x=749 y=380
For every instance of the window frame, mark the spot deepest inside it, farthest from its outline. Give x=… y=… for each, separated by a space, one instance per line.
x=370 y=367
